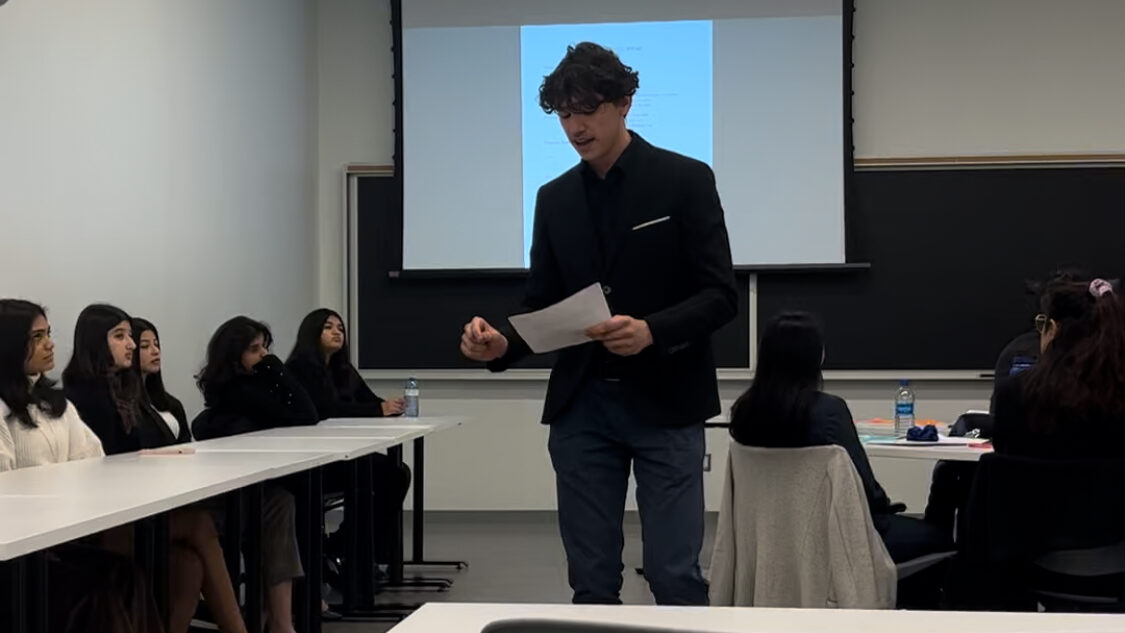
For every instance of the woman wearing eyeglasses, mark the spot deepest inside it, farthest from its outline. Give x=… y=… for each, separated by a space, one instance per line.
x=952 y=480
x=1071 y=404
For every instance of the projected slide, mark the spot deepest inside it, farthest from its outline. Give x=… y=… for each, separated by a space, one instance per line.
x=753 y=88
x=672 y=109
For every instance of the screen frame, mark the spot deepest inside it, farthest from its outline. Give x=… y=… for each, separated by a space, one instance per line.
x=847 y=39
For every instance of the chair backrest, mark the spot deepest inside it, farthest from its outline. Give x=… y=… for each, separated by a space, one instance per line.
x=1021 y=508
x=795 y=531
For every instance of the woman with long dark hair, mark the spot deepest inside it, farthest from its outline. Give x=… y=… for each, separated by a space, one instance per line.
x=1071 y=404
x=321 y=362
x=242 y=396
x=102 y=381
x=785 y=407
x=38 y=426
x=245 y=387
x=105 y=385
x=149 y=361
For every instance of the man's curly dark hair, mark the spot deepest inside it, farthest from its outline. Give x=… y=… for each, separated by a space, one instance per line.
x=588 y=76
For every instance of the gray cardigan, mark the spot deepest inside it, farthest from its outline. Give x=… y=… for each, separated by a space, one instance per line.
x=794 y=531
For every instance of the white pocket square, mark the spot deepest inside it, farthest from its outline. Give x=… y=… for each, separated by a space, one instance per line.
x=652 y=222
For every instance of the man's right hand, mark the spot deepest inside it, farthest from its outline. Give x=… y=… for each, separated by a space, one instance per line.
x=482 y=342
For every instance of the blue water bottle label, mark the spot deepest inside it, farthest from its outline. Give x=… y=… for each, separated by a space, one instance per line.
x=904 y=408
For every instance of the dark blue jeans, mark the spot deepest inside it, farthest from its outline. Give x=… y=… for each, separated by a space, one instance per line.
x=592 y=446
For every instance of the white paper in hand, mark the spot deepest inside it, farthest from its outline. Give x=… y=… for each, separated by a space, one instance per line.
x=565 y=323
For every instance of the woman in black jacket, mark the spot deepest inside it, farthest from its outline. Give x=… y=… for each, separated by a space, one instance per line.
x=1071 y=404
x=246 y=388
x=105 y=386
x=320 y=361
x=785 y=408
x=148 y=359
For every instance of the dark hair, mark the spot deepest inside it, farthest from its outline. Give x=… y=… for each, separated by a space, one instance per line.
x=308 y=347
x=1059 y=275
x=16 y=319
x=588 y=76
x=1083 y=368
x=786 y=379
x=224 y=352
x=92 y=361
x=153 y=383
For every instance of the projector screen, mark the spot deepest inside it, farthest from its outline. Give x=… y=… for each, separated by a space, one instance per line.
x=753 y=88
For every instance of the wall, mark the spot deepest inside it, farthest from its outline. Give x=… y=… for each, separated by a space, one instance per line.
x=499 y=460
x=157 y=155
x=973 y=77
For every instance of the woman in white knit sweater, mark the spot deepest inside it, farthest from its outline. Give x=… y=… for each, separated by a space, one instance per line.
x=39 y=425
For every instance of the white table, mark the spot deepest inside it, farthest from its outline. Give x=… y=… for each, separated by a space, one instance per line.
x=396 y=430
x=932 y=452
x=50 y=505
x=54 y=504
x=471 y=618
x=272 y=443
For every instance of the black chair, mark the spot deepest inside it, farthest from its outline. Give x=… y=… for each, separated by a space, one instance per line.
x=1042 y=533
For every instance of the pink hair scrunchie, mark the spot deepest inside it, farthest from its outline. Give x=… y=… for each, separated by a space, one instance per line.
x=1100 y=287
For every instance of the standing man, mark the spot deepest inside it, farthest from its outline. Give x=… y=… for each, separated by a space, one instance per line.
x=647 y=224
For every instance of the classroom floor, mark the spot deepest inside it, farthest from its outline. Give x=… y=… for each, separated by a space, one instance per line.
x=512 y=556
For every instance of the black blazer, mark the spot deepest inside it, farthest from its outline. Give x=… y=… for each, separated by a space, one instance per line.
x=830 y=423
x=268 y=397
x=352 y=399
x=676 y=274
x=98 y=410
x=176 y=408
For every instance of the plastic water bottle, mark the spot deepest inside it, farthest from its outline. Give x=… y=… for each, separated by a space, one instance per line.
x=904 y=408
x=411 y=397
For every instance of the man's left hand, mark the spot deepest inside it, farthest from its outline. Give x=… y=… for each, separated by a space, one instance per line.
x=622 y=335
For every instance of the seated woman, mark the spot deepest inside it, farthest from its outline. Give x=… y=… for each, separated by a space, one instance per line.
x=38 y=426
x=148 y=358
x=245 y=387
x=785 y=408
x=104 y=384
x=1071 y=404
x=280 y=556
x=953 y=480
x=320 y=361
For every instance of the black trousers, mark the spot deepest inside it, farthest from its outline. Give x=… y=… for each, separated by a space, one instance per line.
x=392 y=481
x=907 y=538
x=949 y=492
